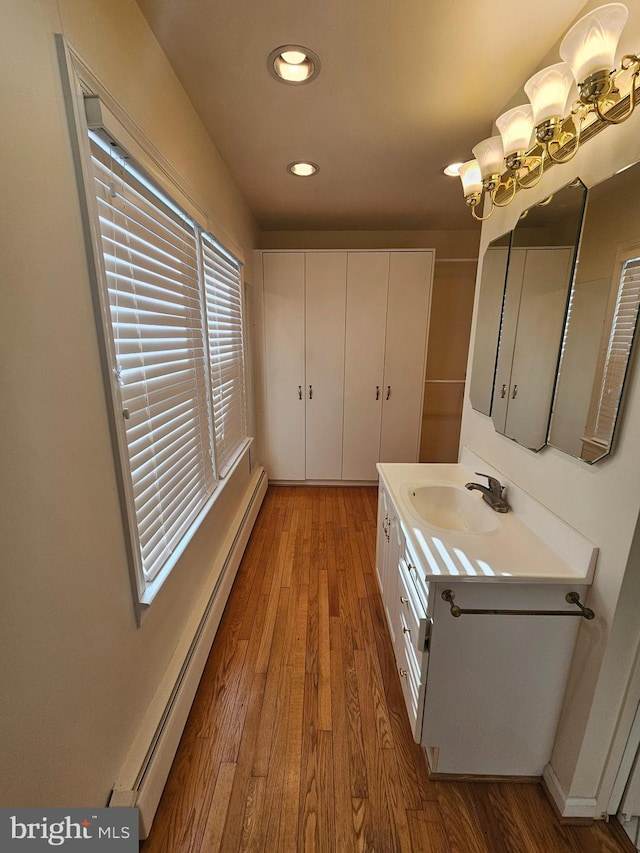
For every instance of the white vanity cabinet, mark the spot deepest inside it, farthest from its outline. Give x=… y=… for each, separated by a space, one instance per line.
x=343 y=360
x=483 y=690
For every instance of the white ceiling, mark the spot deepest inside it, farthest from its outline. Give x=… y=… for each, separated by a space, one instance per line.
x=406 y=87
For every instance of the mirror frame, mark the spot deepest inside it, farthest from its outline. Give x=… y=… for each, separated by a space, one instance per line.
x=593 y=447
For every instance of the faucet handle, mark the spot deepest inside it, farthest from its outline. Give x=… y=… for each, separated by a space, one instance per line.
x=495 y=485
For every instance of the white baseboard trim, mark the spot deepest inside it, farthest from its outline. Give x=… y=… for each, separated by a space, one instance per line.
x=568 y=807
x=144 y=776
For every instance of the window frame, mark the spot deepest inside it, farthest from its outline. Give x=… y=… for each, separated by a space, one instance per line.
x=90 y=107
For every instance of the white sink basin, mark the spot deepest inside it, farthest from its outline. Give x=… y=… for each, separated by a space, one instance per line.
x=452 y=507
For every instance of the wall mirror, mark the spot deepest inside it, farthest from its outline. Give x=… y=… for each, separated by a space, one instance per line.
x=539 y=274
x=601 y=323
x=492 y=282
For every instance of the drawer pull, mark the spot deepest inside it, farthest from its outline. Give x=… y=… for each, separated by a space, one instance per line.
x=403 y=672
x=407 y=631
x=570 y=598
x=403 y=600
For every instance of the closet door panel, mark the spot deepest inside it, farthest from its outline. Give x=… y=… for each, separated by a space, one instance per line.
x=284 y=350
x=508 y=329
x=545 y=286
x=325 y=307
x=367 y=284
x=410 y=275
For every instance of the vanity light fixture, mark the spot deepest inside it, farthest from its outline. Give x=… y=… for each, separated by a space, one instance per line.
x=452 y=170
x=292 y=63
x=303 y=168
x=549 y=129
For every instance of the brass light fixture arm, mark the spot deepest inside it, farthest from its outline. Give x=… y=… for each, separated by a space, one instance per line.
x=578 y=119
x=630 y=61
x=482 y=218
x=532 y=164
x=509 y=184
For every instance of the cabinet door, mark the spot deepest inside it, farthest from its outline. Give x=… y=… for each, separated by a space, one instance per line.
x=284 y=405
x=395 y=549
x=325 y=306
x=367 y=284
x=509 y=325
x=405 y=351
x=381 y=539
x=545 y=286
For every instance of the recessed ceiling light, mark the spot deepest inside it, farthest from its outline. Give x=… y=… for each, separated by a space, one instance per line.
x=303 y=168
x=452 y=170
x=292 y=63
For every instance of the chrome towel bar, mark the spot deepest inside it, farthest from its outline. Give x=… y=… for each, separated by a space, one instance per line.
x=570 y=598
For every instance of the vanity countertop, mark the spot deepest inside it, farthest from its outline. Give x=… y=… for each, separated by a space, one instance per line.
x=513 y=552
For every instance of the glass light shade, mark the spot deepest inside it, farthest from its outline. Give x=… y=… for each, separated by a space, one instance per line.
x=293 y=57
x=548 y=91
x=490 y=156
x=471 y=178
x=303 y=168
x=516 y=129
x=591 y=43
x=452 y=170
x=293 y=72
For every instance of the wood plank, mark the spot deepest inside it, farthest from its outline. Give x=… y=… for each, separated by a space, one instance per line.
x=251 y=836
x=212 y=837
x=293 y=762
x=357 y=764
x=233 y=826
x=385 y=831
x=345 y=839
x=395 y=799
x=427 y=836
x=368 y=661
x=324 y=655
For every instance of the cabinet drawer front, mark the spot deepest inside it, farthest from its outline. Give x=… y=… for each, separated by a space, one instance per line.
x=413 y=622
x=413 y=689
x=418 y=579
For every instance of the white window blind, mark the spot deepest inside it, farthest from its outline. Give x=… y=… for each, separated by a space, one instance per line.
x=618 y=351
x=223 y=292
x=151 y=262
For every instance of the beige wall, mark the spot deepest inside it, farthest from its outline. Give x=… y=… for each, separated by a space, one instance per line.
x=77 y=674
x=602 y=502
x=449 y=325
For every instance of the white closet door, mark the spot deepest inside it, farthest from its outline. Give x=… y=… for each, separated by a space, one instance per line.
x=325 y=306
x=284 y=365
x=502 y=384
x=410 y=275
x=545 y=285
x=367 y=284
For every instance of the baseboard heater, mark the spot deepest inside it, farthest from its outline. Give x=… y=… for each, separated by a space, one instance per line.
x=142 y=781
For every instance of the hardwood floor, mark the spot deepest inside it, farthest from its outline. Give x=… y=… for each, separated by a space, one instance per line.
x=298 y=738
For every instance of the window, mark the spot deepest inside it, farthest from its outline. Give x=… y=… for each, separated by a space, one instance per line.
x=223 y=290
x=614 y=369
x=175 y=349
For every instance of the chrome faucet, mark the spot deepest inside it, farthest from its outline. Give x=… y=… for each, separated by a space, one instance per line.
x=493 y=494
